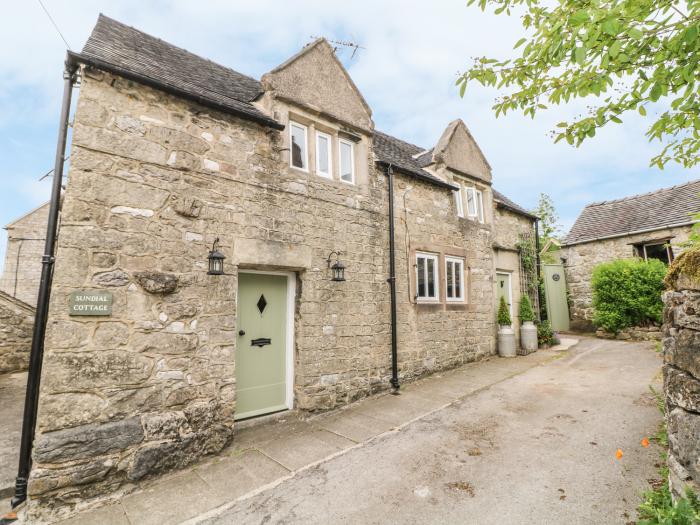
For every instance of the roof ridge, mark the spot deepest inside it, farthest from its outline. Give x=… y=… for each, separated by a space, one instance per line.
x=638 y=195
x=148 y=35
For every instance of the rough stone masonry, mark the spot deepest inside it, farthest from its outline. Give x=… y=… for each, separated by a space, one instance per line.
x=153 y=181
x=681 y=345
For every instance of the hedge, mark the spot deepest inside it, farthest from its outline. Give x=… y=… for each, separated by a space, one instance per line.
x=627 y=292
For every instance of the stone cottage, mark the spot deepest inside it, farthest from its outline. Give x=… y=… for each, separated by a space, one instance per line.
x=650 y=225
x=172 y=154
x=19 y=285
x=25 y=246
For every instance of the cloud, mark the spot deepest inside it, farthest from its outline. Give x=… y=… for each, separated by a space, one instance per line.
x=412 y=53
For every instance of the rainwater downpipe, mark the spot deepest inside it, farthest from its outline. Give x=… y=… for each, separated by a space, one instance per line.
x=392 y=284
x=42 y=306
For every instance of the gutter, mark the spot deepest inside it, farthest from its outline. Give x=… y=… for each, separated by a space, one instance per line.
x=36 y=354
x=392 y=284
x=625 y=234
x=74 y=59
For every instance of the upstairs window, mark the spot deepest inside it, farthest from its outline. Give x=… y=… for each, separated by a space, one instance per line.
x=475 y=204
x=458 y=202
x=347 y=161
x=426 y=277
x=454 y=279
x=298 y=146
x=323 y=154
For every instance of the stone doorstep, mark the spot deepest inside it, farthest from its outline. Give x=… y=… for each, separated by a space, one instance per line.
x=262 y=456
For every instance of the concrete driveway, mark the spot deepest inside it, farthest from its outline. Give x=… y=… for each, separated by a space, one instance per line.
x=536 y=448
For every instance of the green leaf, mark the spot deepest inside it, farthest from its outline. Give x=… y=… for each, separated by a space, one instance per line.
x=462 y=89
x=579 y=17
x=519 y=43
x=614 y=49
x=635 y=33
x=691 y=34
x=580 y=55
x=642 y=111
x=656 y=92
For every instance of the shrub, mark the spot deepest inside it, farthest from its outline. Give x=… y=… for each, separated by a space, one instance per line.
x=627 y=292
x=526 y=313
x=545 y=334
x=503 y=313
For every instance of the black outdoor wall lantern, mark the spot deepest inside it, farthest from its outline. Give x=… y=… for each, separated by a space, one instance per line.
x=338 y=267
x=216 y=260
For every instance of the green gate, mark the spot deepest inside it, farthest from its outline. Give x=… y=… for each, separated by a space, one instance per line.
x=555 y=295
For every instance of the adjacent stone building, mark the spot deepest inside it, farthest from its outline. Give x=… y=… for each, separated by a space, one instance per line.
x=25 y=246
x=172 y=154
x=19 y=286
x=651 y=225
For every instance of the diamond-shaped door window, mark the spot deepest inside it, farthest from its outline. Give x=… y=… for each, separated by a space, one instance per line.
x=262 y=303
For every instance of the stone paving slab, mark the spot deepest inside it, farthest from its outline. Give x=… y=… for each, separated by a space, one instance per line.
x=264 y=454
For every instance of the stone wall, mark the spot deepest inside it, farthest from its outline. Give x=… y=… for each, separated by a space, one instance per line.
x=508 y=227
x=25 y=247
x=153 y=180
x=681 y=346
x=582 y=258
x=633 y=333
x=16 y=323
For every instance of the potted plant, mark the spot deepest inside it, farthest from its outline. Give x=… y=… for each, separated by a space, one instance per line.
x=528 y=330
x=506 y=335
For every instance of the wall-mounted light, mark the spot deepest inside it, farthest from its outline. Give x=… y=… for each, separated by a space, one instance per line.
x=338 y=267
x=216 y=260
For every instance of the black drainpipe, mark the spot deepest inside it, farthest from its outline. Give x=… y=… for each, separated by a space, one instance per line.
x=31 y=399
x=392 y=284
x=539 y=268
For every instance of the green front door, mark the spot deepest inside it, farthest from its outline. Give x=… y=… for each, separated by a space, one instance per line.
x=555 y=295
x=261 y=356
x=503 y=290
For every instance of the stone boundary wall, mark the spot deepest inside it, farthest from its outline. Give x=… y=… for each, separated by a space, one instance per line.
x=633 y=333
x=16 y=324
x=681 y=347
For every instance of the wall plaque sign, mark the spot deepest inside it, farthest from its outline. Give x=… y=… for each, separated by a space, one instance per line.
x=90 y=302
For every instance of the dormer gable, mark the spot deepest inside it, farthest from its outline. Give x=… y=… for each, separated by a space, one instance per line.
x=457 y=150
x=314 y=78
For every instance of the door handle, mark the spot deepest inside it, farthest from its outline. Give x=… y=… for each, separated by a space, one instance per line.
x=241 y=333
x=261 y=342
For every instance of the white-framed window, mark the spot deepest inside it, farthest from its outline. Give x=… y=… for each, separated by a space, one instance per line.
x=458 y=201
x=323 y=154
x=298 y=146
x=427 y=284
x=346 y=161
x=475 y=203
x=454 y=279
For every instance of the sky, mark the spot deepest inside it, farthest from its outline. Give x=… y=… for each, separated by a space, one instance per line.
x=412 y=53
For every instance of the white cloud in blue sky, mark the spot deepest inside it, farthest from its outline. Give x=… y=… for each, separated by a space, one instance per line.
x=413 y=51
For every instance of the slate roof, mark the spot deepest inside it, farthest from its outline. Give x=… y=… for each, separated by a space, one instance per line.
x=398 y=153
x=505 y=202
x=132 y=53
x=647 y=212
